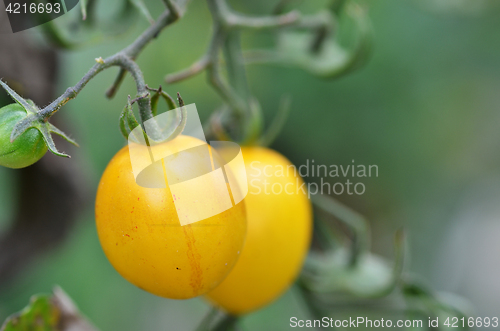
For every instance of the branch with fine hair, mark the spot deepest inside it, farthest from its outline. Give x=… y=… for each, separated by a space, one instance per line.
x=123 y=59
x=225 y=91
x=196 y=68
x=229 y=20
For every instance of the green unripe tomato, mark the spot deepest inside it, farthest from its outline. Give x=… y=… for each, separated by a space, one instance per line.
x=26 y=149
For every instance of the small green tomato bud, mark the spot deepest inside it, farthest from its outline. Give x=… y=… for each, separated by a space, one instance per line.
x=26 y=149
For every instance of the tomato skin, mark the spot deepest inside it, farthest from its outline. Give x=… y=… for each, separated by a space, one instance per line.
x=278 y=237
x=26 y=149
x=140 y=233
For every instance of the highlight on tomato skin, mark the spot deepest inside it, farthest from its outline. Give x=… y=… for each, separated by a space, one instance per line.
x=142 y=237
x=278 y=238
x=26 y=149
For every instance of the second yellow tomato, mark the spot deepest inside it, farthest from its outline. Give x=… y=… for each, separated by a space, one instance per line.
x=279 y=233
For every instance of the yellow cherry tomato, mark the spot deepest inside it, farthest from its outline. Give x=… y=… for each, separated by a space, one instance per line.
x=278 y=237
x=141 y=235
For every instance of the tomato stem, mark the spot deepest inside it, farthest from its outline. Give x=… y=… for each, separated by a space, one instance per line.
x=242 y=112
x=125 y=59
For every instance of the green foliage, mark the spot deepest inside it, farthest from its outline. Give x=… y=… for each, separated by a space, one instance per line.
x=55 y=312
x=40 y=315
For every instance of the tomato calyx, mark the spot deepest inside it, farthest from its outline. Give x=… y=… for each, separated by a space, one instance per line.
x=174 y=127
x=35 y=120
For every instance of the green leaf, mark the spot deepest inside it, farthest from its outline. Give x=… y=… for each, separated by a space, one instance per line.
x=55 y=312
x=40 y=315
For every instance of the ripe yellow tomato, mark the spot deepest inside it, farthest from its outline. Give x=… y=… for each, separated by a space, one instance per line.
x=141 y=235
x=279 y=233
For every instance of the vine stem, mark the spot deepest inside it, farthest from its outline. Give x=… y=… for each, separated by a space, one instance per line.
x=226 y=92
x=120 y=59
x=125 y=60
x=227 y=26
x=227 y=19
x=235 y=92
x=196 y=68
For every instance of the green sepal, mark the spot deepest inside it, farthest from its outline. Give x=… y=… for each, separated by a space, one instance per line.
x=55 y=130
x=128 y=121
x=25 y=104
x=154 y=103
x=168 y=99
x=124 y=129
x=182 y=117
x=156 y=97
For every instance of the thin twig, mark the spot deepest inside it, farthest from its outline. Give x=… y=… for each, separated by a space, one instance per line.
x=192 y=71
x=120 y=59
x=235 y=65
x=125 y=60
x=166 y=18
x=232 y=19
x=172 y=7
x=213 y=72
x=227 y=19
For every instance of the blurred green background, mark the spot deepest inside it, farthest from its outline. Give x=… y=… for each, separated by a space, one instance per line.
x=425 y=109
